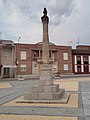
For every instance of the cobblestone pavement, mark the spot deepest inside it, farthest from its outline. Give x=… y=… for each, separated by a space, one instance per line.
x=78 y=107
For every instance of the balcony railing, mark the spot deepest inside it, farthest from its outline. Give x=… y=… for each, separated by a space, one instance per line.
x=39 y=58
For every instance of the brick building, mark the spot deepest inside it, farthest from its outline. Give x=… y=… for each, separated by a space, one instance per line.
x=28 y=55
x=81 y=59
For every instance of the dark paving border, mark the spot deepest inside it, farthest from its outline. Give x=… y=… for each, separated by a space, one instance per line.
x=9 y=97
x=80 y=102
x=48 y=111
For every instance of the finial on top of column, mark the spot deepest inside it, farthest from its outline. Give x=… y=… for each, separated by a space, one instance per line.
x=45 y=18
x=45 y=11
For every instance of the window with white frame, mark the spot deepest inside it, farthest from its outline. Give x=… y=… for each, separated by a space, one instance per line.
x=65 y=56
x=23 y=67
x=65 y=66
x=23 y=55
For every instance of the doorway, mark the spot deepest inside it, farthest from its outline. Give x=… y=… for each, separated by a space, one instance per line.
x=6 y=72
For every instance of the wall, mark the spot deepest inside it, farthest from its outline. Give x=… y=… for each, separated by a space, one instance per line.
x=58 y=57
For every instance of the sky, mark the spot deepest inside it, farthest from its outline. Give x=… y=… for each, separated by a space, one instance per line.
x=69 y=22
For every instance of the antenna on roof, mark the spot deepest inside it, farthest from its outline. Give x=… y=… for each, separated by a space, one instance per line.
x=78 y=41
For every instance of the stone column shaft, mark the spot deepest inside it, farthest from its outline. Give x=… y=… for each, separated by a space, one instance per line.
x=45 y=47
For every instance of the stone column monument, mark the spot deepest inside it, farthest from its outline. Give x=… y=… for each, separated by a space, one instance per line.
x=45 y=47
x=46 y=91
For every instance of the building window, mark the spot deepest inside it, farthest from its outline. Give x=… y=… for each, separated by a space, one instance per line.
x=23 y=55
x=86 y=68
x=65 y=66
x=65 y=56
x=86 y=61
x=78 y=68
x=23 y=67
x=78 y=59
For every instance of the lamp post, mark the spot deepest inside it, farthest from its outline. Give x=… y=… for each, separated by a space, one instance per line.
x=16 y=62
x=70 y=43
x=19 y=39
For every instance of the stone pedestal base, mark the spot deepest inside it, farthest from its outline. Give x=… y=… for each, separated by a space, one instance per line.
x=46 y=90
x=44 y=96
x=63 y=100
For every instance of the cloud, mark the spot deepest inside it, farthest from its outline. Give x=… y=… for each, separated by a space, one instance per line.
x=31 y=10
x=25 y=9
x=28 y=34
x=22 y=18
x=60 y=10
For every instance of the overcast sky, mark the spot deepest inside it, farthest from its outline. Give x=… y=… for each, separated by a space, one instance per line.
x=69 y=21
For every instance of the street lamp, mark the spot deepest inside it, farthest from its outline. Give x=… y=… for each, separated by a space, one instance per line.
x=16 y=58
x=19 y=39
x=70 y=43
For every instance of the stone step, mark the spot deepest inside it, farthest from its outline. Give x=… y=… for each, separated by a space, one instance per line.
x=45 y=89
x=64 y=100
x=52 y=96
x=51 y=89
x=44 y=96
x=58 y=95
x=37 y=89
x=31 y=96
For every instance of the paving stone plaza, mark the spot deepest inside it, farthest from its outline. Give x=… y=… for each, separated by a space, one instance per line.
x=77 y=108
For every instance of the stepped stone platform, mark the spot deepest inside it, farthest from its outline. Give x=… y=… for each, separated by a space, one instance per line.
x=46 y=91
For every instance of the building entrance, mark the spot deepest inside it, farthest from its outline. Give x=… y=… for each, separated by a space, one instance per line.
x=6 y=72
x=35 y=68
